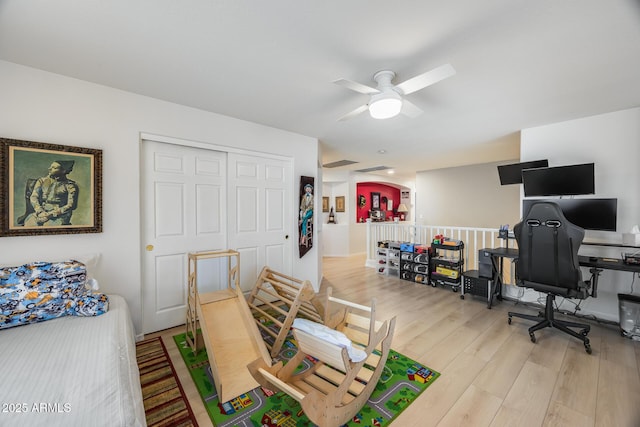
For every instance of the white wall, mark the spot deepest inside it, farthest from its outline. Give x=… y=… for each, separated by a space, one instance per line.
x=612 y=142
x=466 y=196
x=333 y=190
x=50 y=108
x=335 y=238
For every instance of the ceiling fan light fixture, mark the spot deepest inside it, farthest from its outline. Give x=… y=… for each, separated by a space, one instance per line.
x=385 y=105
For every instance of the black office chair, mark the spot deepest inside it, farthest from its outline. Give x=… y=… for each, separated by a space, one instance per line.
x=548 y=262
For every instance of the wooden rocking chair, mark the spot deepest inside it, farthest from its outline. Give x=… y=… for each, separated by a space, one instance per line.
x=334 y=388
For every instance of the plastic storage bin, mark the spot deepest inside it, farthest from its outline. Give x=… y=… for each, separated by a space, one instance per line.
x=406 y=247
x=629 y=310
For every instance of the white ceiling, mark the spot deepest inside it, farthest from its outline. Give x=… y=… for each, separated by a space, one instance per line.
x=519 y=63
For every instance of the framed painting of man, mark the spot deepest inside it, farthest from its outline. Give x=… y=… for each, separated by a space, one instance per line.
x=49 y=189
x=305 y=215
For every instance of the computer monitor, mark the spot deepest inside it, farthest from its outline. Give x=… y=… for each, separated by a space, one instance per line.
x=559 y=181
x=512 y=174
x=590 y=214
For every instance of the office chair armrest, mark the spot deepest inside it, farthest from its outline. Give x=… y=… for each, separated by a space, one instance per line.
x=595 y=273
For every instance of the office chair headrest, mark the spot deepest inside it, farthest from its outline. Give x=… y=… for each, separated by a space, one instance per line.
x=543 y=211
x=548 y=214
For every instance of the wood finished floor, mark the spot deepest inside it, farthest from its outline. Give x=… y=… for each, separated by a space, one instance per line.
x=492 y=374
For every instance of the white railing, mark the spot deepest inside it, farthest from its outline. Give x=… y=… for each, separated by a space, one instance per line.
x=474 y=238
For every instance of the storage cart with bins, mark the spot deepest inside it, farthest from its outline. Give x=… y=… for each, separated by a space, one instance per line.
x=447 y=263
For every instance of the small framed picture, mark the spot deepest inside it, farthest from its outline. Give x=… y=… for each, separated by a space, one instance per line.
x=340 y=204
x=49 y=189
x=325 y=204
x=375 y=201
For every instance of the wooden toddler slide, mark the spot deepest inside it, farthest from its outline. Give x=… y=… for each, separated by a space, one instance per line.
x=229 y=332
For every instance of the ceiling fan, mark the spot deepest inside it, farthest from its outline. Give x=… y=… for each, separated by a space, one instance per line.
x=387 y=100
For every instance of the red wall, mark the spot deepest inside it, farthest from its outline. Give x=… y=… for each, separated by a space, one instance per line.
x=366 y=188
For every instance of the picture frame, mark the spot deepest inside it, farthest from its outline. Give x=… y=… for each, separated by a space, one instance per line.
x=325 y=204
x=49 y=189
x=375 y=201
x=305 y=215
x=340 y=204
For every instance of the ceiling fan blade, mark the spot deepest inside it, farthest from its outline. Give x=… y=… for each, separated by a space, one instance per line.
x=358 y=87
x=354 y=113
x=410 y=109
x=426 y=79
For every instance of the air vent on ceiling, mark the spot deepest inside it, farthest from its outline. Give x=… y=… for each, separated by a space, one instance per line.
x=373 y=169
x=339 y=163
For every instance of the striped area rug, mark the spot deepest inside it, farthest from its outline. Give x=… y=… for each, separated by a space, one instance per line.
x=165 y=403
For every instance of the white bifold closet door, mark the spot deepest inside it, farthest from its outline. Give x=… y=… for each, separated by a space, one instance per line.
x=196 y=199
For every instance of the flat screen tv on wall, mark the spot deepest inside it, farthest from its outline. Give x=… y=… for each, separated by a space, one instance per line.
x=559 y=181
x=590 y=214
x=512 y=174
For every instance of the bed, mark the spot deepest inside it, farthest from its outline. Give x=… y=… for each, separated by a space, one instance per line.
x=72 y=371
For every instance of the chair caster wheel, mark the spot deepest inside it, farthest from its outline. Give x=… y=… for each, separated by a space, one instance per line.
x=533 y=337
x=584 y=332
x=587 y=348
x=509 y=320
x=461 y=296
